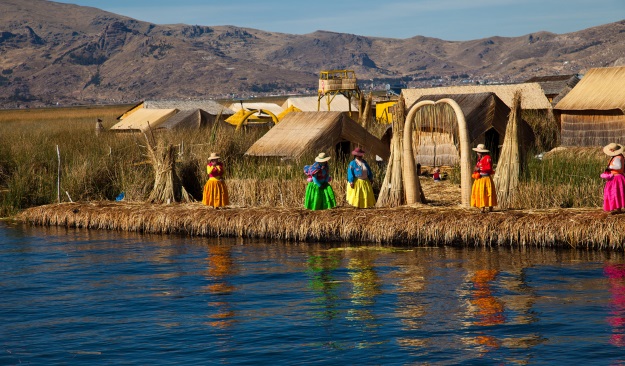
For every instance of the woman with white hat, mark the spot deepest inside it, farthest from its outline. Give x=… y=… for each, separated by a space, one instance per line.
x=319 y=193
x=215 y=190
x=614 y=190
x=483 y=193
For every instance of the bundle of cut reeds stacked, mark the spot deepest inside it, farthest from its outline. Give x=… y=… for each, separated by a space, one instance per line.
x=511 y=157
x=167 y=185
x=392 y=190
x=365 y=113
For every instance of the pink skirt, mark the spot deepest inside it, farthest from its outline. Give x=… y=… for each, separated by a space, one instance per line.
x=614 y=193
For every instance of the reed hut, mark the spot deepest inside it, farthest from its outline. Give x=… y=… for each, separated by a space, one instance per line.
x=593 y=113
x=189 y=114
x=210 y=107
x=310 y=132
x=535 y=107
x=555 y=87
x=142 y=120
x=436 y=143
x=532 y=95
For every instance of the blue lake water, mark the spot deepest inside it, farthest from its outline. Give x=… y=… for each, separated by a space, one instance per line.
x=109 y=298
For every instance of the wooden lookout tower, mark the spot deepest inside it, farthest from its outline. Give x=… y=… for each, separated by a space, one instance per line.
x=334 y=82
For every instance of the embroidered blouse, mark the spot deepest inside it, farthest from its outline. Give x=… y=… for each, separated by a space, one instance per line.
x=616 y=164
x=215 y=170
x=485 y=165
x=319 y=173
x=358 y=170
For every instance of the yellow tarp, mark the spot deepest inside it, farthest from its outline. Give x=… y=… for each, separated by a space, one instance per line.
x=290 y=109
x=237 y=118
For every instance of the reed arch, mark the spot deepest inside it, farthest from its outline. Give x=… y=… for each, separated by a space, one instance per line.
x=248 y=114
x=409 y=169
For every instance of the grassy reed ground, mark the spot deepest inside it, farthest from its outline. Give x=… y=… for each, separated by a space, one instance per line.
x=97 y=168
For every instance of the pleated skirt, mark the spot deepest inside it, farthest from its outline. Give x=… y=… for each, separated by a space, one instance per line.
x=215 y=193
x=483 y=193
x=319 y=198
x=361 y=195
x=614 y=193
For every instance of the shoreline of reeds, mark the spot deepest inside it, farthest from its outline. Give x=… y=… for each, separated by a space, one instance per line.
x=417 y=225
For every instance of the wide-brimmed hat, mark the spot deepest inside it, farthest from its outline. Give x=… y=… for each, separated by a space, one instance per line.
x=322 y=158
x=358 y=152
x=481 y=148
x=613 y=149
x=213 y=156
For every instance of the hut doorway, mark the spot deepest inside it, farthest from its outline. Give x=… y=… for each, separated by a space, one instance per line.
x=343 y=150
x=491 y=140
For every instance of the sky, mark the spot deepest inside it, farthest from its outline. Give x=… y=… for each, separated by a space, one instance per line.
x=451 y=20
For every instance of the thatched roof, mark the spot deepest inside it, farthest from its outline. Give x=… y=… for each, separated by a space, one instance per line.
x=304 y=132
x=482 y=111
x=532 y=95
x=309 y=104
x=553 y=85
x=139 y=120
x=209 y=106
x=600 y=89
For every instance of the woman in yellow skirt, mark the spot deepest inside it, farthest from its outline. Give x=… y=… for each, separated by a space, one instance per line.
x=215 y=190
x=483 y=193
x=359 y=178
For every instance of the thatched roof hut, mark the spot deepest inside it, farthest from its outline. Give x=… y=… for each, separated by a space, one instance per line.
x=209 y=106
x=312 y=132
x=593 y=113
x=486 y=118
x=187 y=114
x=143 y=119
x=532 y=95
x=555 y=86
x=309 y=104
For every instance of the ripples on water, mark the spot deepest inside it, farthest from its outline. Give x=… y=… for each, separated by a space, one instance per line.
x=93 y=297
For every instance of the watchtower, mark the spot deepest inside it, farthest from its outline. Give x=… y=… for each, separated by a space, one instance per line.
x=334 y=82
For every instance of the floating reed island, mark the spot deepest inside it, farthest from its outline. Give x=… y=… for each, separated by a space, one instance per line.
x=415 y=225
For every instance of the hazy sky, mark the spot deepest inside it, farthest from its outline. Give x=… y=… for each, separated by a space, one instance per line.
x=452 y=20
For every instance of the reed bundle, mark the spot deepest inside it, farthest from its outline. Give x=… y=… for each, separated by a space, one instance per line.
x=510 y=158
x=392 y=190
x=419 y=225
x=167 y=185
x=365 y=112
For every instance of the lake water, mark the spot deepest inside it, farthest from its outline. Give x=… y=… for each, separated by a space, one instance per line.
x=109 y=298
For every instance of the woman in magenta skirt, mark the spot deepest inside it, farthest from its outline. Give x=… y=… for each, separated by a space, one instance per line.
x=614 y=191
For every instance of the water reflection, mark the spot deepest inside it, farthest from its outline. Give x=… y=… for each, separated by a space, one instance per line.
x=220 y=267
x=321 y=267
x=241 y=301
x=616 y=281
x=365 y=286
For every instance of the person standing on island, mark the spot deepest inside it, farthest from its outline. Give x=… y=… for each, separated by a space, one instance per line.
x=483 y=193
x=215 y=190
x=614 y=190
x=319 y=193
x=359 y=178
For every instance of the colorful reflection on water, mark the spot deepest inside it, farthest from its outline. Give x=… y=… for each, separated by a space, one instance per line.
x=96 y=297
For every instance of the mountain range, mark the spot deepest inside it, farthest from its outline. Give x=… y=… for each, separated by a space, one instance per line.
x=62 y=54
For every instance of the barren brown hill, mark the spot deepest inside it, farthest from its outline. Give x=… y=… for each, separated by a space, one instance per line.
x=52 y=52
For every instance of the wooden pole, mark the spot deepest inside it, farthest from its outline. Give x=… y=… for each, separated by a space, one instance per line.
x=58 y=175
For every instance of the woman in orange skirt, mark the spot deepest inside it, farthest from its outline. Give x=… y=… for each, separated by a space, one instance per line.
x=215 y=190
x=483 y=192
